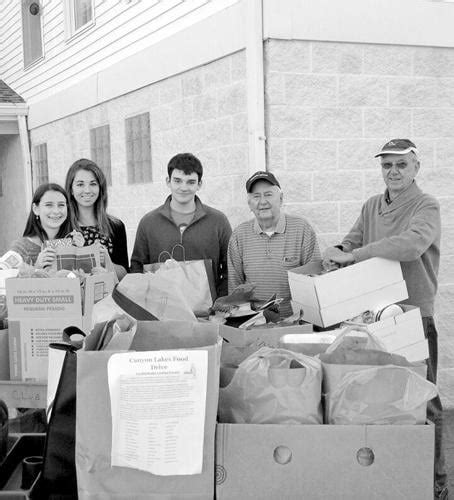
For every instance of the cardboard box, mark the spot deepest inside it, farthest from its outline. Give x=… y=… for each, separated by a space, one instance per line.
x=330 y=298
x=18 y=394
x=324 y=462
x=29 y=340
x=97 y=287
x=43 y=297
x=403 y=334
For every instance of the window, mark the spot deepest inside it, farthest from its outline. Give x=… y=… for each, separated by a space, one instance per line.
x=40 y=169
x=78 y=16
x=138 y=148
x=1 y=185
x=100 y=150
x=32 y=40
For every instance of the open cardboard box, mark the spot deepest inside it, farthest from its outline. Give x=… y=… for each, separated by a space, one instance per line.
x=327 y=299
x=325 y=462
x=403 y=334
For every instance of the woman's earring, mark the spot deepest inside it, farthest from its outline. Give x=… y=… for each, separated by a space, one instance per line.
x=37 y=217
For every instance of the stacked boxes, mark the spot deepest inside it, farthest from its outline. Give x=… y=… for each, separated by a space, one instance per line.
x=336 y=461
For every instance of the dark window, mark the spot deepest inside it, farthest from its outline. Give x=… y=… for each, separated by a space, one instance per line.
x=100 y=150
x=138 y=149
x=40 y=168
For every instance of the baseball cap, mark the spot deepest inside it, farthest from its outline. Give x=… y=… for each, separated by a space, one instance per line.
x=261 y=176
x=398 y=147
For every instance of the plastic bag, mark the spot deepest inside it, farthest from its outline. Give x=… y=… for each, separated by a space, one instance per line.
x=355 y=337
x=381 y=395
x=273 y=386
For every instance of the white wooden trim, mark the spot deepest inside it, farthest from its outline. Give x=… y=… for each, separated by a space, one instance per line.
x=255 y=85
x=27 y=165
x=403 y=22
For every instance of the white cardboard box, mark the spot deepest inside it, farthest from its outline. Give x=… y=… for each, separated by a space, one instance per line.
x=324 y=462
x=403 y=334
x=330 y=298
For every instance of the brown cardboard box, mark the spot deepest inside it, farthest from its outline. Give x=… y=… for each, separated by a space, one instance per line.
x=327 y=299
x=325 y=462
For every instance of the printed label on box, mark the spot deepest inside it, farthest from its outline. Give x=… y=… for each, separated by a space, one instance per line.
x=43 y=297
x=29 y=341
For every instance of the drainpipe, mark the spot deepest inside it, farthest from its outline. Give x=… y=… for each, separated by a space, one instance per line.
x=255 y=85
x=27 y=165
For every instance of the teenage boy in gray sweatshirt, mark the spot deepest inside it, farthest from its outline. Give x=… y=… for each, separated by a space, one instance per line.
x=183 y=219
x=403 y=224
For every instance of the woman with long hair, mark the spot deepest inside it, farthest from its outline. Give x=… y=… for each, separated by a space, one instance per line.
x=87 y=190
x=48 y=220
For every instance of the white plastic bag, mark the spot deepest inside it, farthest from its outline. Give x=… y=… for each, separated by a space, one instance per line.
x=381 y=395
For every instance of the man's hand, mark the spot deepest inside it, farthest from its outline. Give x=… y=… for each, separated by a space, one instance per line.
x=336 y=255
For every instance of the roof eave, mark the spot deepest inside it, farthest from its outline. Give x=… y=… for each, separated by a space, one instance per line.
x=13 y=109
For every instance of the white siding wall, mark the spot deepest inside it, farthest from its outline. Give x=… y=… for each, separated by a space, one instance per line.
x=121 y=29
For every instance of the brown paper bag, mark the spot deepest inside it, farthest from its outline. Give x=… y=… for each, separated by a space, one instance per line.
x=273 y=386
x=95 y=476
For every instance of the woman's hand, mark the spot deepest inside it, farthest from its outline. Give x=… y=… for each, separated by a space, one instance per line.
x=103 y=252
x=46 y=257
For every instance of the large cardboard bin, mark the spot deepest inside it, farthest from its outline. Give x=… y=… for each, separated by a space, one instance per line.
x=327 y=299
x=326 y=462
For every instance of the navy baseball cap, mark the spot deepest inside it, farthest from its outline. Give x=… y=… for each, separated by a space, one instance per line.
x=398 y=147
x=261 y=176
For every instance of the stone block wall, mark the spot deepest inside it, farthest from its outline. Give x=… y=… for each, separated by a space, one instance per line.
x=202 y=111
x=329 y=109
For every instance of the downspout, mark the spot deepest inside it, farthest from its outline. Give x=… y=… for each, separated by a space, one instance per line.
x=26 y=165
x=255 y=85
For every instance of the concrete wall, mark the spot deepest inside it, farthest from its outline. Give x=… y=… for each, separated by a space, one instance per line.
x=330 y=106
x=202 y=111
x=12 y=203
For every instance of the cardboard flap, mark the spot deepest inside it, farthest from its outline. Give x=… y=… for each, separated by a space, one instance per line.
x=265 y=336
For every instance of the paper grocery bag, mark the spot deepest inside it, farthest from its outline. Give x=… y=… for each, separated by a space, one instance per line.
x=194 y=278
x=95 y=476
